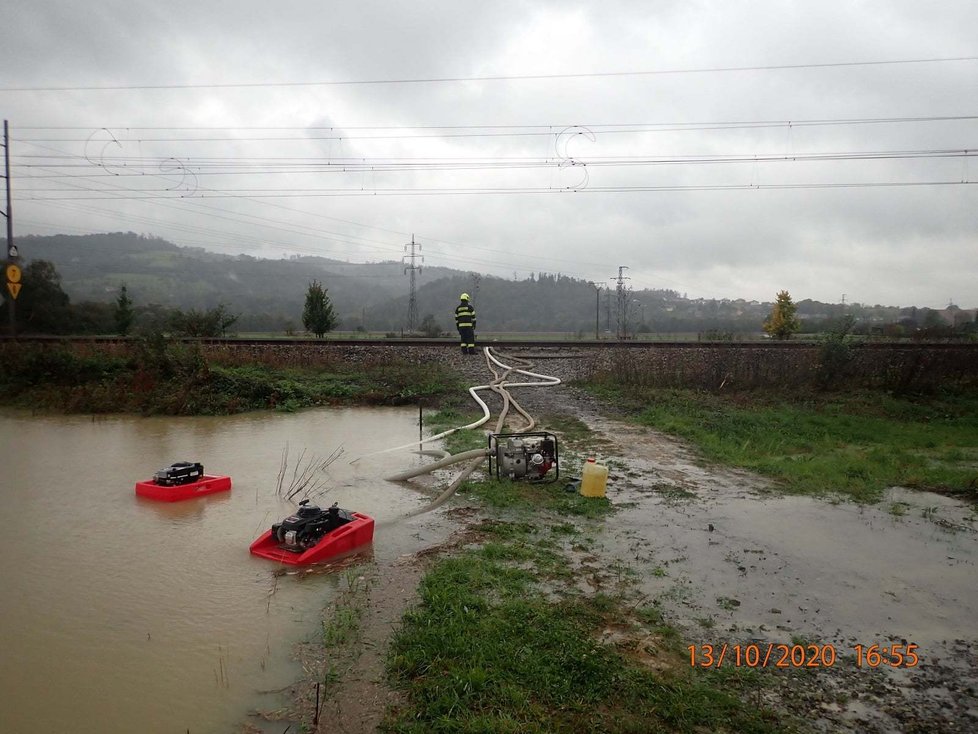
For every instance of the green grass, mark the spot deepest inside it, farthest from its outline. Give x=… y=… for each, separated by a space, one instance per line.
x=342 y=631
x=453 y=416
x=898 y=509
x=486 y=651
x=530 y=497
x=854 y=444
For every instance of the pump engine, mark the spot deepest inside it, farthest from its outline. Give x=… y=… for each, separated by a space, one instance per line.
x=303 y=530
x=524 y=456
x=182 y=472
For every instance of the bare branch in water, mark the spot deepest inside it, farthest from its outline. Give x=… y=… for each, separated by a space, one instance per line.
x=306 y=476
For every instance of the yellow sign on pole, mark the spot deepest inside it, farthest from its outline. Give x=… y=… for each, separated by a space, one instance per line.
x=14 y=289
x=13 y=274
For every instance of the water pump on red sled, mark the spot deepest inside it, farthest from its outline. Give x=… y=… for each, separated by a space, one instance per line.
x=304 y=529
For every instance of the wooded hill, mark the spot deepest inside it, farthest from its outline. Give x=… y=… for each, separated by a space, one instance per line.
x=269 y=294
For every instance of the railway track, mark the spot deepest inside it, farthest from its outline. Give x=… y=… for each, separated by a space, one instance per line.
x=539 y=344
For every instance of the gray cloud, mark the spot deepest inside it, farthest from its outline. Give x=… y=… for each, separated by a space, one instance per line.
x=890 y=245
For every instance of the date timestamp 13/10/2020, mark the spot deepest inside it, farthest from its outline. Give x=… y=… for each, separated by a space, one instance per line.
x=779 y=655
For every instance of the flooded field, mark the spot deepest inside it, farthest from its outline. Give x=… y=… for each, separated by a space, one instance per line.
x=122 y=614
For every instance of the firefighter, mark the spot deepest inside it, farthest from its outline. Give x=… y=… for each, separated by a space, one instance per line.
x=465 y=323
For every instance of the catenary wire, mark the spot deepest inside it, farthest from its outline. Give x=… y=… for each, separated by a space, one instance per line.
x=490 y=78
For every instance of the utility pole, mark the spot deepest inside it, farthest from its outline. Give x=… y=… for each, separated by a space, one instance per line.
x=597 y=308
x=622 y=294
x=607 y=310
x=12 y=269
x=412 y=268
x=597 y=298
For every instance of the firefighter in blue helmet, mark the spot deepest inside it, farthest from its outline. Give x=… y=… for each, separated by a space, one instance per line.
x=465 y=322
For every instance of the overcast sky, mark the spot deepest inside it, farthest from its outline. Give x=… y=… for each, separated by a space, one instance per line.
x=657 y=135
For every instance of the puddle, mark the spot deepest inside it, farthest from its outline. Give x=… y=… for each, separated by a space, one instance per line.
x=794 y=565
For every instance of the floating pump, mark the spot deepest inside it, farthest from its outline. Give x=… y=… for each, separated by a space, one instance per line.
x=524 y=456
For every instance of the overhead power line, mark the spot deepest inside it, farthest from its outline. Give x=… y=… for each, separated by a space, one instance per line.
x=119 y=193
x=190 y=198
x=494 y=78
x=551 y=127
x=138 y=170
x=488 y=191
x=340 y=133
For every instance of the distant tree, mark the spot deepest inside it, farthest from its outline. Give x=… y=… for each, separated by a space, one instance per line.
x=152 y=318
x=224 y=318
x=782 y=322
x=42 y=306
x=91 y=317
x=969 y=328
x=935 y=326
x=124 y=313
x=213 y=322
x=430 y=327
x=835 y=355
x=933 y=320
x=318 y=316
x=894 y=331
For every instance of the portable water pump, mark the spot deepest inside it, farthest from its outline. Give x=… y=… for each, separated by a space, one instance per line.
x=182 y=472
x=301 y=531
x=524 y=456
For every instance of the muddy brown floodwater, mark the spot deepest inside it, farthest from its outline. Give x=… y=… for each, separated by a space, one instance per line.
x=121 y=614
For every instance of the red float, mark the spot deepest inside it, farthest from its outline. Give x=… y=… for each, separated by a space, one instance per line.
x=207 y=484
x=358 y=531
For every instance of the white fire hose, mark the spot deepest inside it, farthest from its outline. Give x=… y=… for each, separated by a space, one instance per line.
x=500 y=385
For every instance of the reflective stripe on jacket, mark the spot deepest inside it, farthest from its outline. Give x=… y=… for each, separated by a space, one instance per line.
x=464 y=315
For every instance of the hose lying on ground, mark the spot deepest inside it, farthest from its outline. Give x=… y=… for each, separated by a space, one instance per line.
x=500 y=386
x=452 y=488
